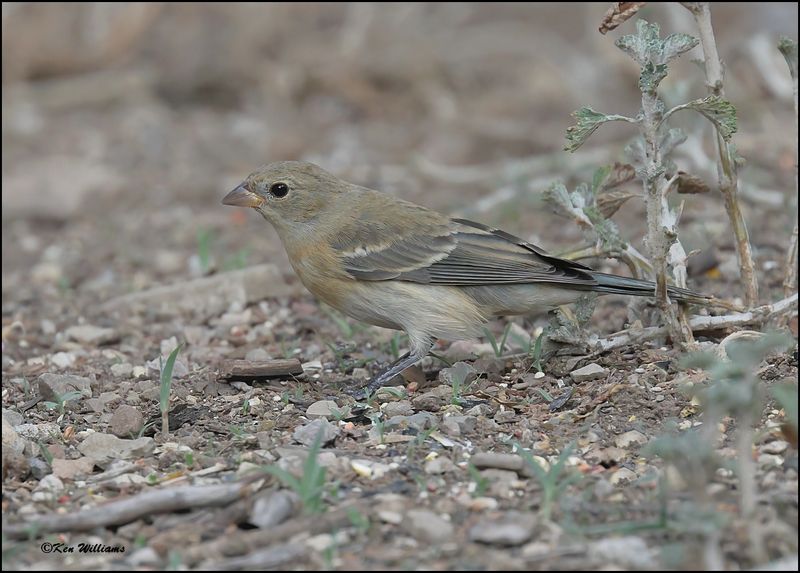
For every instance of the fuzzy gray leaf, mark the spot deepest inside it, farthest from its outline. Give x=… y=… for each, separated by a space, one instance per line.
x=557 y=197
x=643 y=44
x=609 y=202
x=718 y=111
x=568 y=326
x=674 y=45
x=672 y=139
x=566 y=204
x=788 y=48
x=607 y=232
x=587 y=121
x=652 y=75
x=613 y=176
x=635 y=153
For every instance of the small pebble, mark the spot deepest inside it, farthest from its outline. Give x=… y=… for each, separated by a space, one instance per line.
x=631 y=438
x=589 y=372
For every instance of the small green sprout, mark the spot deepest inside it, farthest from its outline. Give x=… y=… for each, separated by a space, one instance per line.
x=166 y=386
x=310 y=487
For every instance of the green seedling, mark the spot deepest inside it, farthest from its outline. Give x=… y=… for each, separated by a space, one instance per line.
x=60 y=402
x=48 y=457
x=340 y=414
x=236 y=261
x=481 y=482
x=498 y=348
x=345 y=328
x=358 y=519
x=398 y=393
x=395 y=343
x=553 y=480
x=379 y=426
x=166 y=386
x=459 y=374
x=204 y=238
x=310 y=487
x=536 y=352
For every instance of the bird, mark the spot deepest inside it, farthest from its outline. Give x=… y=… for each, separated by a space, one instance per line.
x=395 y=264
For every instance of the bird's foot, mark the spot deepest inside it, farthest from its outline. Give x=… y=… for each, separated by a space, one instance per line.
x=369 y=389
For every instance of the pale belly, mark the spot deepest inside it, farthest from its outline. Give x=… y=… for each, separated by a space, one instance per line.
x=449 y=313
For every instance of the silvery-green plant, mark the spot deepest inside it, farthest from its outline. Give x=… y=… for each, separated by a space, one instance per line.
x=788 y=48
x=650 y=152
x=733 y=389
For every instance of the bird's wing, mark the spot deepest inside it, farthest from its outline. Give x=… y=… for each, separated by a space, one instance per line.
x=458 y=252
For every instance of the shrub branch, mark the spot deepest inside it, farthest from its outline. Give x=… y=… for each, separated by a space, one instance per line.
x=789 y=50
x=726 y=168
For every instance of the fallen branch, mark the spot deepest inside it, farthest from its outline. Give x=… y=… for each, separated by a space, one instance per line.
x=245 y=542
x=130 y=509
x=248 y=370
x=700 y=323
x=262 y=559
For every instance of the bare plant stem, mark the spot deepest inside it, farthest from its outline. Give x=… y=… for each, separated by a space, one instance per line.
x=790 y=265
x=748 y=492
x=165 y=424
x=712 y=554
x=789 y=50
x=677 y=260
x=726 y=169
x=658 y=238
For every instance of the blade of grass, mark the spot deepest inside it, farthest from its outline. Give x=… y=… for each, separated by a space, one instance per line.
x=166 y=386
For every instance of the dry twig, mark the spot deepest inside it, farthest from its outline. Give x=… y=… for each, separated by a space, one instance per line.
x=257 y=539
x=789 y=50
x=701 y=323
x=726 y=169
x=247 y=369
x=661 y=233
x=130 y=509
x=269 y=558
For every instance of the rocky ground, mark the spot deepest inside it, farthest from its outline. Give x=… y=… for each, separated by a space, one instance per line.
x=116 y=251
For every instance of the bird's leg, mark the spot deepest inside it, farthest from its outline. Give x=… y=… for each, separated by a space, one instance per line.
x=418 y=352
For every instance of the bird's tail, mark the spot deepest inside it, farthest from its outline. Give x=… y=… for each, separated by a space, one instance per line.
x=635 y=287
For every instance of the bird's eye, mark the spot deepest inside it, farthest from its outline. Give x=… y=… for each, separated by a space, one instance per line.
x=279 y=190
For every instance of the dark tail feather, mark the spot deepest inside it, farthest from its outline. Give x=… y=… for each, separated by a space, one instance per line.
x=635 y=287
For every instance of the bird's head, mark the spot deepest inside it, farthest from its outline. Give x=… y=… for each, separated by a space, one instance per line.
x=287 y=193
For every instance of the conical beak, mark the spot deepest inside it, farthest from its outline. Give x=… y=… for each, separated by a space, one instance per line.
x=241 y=197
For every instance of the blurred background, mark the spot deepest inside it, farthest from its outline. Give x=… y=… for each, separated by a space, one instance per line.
x=124 y=124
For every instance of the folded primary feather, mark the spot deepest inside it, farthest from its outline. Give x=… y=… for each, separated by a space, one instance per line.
x=462 y=253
